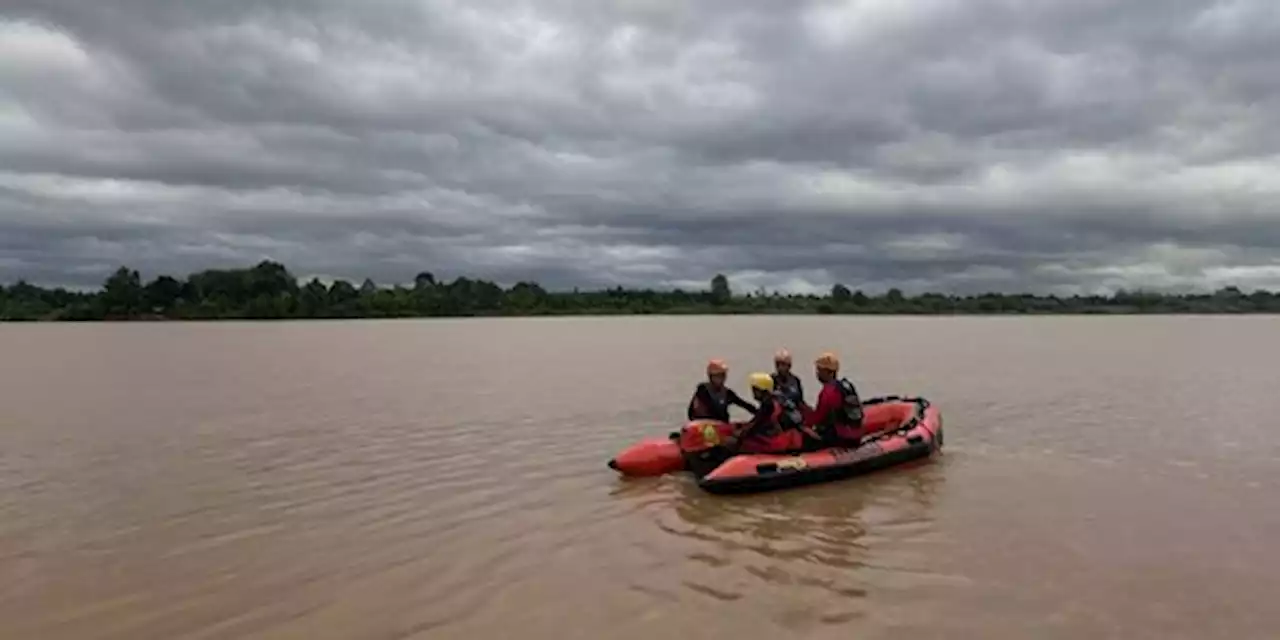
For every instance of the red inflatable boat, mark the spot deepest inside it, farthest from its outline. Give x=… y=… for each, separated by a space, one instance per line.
x=896 y=430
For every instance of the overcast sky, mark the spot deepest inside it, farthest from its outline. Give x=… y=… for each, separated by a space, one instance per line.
x=950 y=145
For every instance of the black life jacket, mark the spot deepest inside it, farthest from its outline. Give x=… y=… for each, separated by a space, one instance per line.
x=851 y=408
x=715 y=406
x=789 y=387
x=787 y=412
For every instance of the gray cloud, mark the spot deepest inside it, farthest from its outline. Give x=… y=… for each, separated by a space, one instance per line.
x=1067 y=146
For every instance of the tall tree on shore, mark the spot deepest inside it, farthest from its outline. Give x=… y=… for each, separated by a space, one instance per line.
x=122 y=293
x=720 y=292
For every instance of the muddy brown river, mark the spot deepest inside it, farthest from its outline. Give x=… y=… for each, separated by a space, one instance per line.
x=1102 y=478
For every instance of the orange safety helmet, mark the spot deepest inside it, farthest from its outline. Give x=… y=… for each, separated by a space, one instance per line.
x=828 y=361
x=782 y=356
x=717 y=366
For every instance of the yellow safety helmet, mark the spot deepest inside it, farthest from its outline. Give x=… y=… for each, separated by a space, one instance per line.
x=761 y=381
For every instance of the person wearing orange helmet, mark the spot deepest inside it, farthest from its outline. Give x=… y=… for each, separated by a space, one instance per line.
x=711 y=399
x=838 y=414
x=786 y=382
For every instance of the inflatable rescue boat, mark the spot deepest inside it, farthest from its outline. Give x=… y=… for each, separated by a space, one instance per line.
x=895 y=430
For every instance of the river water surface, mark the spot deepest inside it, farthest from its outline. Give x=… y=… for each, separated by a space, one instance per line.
x=1102 y=478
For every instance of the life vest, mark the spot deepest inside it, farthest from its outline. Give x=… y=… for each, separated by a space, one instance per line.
x=789 y=387
x=785 y=412
x=716 y=409
x=851 y=407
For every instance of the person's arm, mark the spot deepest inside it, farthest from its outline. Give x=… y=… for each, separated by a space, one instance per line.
x=734 y=398
x=800 y=391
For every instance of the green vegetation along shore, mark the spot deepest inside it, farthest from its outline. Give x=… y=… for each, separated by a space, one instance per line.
x=269 y=291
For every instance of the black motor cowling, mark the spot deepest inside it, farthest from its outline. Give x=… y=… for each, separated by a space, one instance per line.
x=705 y=461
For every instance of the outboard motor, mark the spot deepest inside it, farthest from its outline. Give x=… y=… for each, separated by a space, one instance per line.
x=702 y=445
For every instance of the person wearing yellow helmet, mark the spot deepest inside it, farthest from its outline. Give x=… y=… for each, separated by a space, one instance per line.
x=785 y=381
x=761 y=385
x=838 y=414
x=778 y=426
x=711 y=399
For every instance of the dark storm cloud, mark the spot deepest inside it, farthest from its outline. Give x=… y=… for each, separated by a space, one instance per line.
x=1070 y=145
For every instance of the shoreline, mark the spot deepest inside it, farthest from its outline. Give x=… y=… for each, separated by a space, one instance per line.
x=665 y=315
x=269 y=291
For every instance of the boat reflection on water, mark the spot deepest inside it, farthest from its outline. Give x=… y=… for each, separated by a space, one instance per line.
x=806 y=556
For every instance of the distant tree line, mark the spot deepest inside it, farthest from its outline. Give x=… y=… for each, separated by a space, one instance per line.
x=268 y=290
